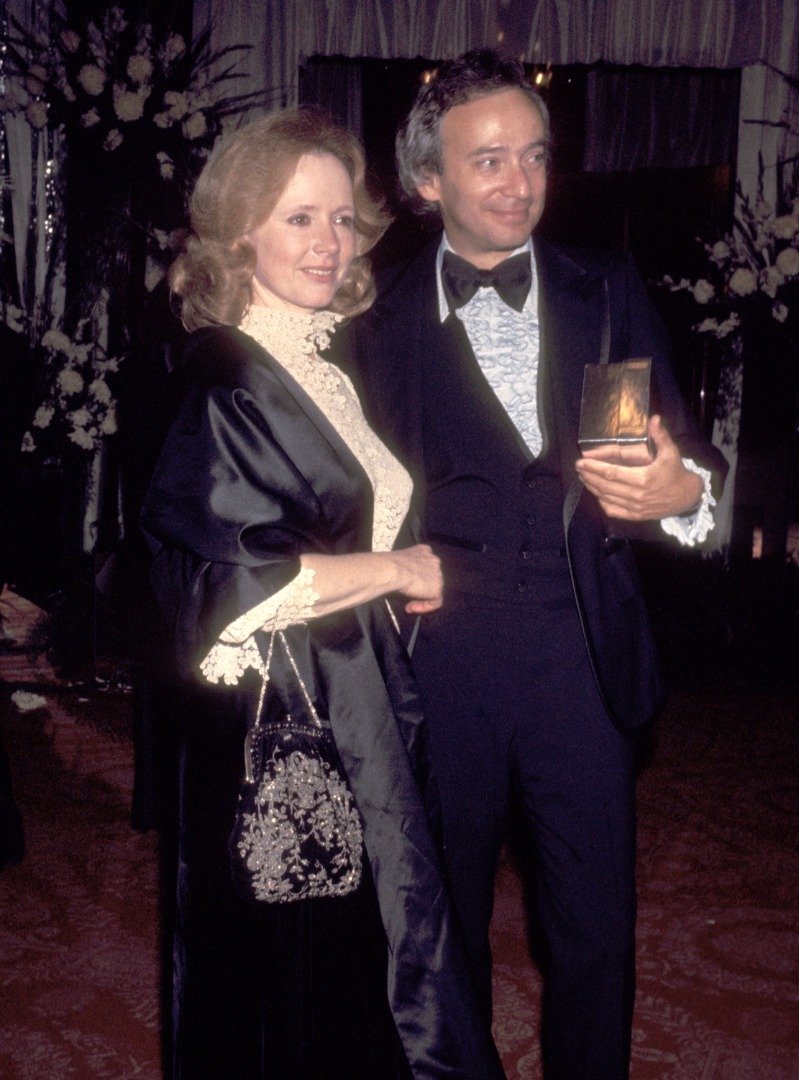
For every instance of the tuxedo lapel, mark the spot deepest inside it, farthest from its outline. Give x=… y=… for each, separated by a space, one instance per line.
x=571 y=303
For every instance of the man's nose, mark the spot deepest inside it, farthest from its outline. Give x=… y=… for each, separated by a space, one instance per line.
x=517 y=181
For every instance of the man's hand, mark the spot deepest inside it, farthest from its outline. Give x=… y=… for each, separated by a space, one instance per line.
x=651 y=492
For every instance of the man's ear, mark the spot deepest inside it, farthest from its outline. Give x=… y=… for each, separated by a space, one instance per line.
x=430 y=188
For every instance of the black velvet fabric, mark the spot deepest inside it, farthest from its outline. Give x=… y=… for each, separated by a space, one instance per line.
x=252 y=475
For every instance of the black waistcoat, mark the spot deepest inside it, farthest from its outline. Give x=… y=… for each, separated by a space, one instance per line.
x=484 y=490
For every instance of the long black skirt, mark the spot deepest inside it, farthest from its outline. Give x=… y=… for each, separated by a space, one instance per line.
x=265 y=991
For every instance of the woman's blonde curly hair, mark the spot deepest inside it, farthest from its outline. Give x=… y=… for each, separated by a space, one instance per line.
x=237 y=191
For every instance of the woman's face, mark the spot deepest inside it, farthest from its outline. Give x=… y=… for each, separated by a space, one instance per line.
x=305 y=246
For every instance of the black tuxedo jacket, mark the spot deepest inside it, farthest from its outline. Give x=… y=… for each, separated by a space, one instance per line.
x=426 y=394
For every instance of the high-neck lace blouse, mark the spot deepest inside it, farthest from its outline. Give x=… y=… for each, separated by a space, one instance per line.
x=295 y=340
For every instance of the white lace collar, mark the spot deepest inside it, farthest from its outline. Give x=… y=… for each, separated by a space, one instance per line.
x=289 y=335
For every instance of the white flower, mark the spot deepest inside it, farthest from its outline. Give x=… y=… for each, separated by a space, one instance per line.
x=720 y=252
x=92 y=79
x=195 y=126
x=166 y=165
x=174 y=48
x=785 y=227
x=81 y=417
x=780 y=312
x=152 y=275
x=56 y=341
x=718 y=329
x=9 y=103
x=66 y=90
x=127 y=105
x=82 y=438
x=770 y=280
x=15 y=318
x=43 y=416
x=113 y=139
x=35 y=80
x=90 y=118
x=109 y=424
x=115 y=21
x=100 y=390
x=28 y=444
x=36 y=114
x=703 y=291
x=177 y=104
x=707 y=326
x=140 y=67
x=168 y=239
x=162 y=120
x=732 y=322
x=743 y=282
x=787 y=262
x=70 y=381
x=70 y=40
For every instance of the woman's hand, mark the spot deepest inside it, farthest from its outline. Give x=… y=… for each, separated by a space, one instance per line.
x=342 y=581
x=419 y=578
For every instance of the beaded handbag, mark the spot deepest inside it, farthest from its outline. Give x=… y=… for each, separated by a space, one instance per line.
x=297 y=832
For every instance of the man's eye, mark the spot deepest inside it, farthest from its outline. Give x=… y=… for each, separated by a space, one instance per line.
x=488 y=163
x=538 y=159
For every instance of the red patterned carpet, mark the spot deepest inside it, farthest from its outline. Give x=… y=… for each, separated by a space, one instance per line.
x=718 y=933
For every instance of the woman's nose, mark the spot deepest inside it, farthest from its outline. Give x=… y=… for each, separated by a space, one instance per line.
x=326 y=238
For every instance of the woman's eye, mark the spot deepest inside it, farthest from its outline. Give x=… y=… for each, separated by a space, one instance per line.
x=346 y=220
x=299 y=219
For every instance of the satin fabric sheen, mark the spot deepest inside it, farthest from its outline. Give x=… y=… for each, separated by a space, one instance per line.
x=252 y=475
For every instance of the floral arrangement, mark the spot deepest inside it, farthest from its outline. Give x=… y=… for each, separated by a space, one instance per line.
x=752 y=272
x=120 y=88
x=79 y=405
x=137 y=110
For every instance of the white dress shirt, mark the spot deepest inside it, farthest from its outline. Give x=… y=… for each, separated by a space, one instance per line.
x=507 y=346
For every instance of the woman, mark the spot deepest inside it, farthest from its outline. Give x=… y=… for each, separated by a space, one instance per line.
x=274 y=507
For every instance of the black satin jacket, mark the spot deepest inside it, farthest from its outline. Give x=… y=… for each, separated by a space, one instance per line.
x=252 y=475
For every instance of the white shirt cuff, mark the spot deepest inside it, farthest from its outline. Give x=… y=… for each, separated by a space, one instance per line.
x=693 y=528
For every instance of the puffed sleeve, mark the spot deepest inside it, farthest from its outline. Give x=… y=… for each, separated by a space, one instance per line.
x=227 y=516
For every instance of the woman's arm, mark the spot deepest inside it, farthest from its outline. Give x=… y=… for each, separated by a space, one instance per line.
x=342 y=581
x=324 y=585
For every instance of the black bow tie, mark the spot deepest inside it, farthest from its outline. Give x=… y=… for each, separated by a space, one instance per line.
x=510 y=278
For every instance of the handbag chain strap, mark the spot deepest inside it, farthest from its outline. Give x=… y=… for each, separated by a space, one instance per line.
x=312 y=711
x=314 y=715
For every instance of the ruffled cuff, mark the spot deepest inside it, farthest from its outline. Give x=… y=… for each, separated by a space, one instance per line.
x=236 y=650
x=693 y=528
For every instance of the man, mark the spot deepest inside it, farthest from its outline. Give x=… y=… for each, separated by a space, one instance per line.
x=540 y=663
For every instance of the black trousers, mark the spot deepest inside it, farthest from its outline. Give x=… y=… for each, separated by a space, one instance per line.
x=514 y=713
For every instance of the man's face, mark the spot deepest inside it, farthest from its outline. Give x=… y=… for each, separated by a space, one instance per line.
x=493 y=179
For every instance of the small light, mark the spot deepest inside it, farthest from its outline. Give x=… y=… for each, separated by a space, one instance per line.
x=501 y=36
x=539 y=78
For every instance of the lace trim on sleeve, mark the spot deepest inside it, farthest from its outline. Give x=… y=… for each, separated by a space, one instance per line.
x=693 y=529
x=236 y=650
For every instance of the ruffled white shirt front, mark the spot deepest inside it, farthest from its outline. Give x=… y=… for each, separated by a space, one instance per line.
x=295 y=339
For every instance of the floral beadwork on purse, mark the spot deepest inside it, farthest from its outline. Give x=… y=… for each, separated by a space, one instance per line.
x=297 y=832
